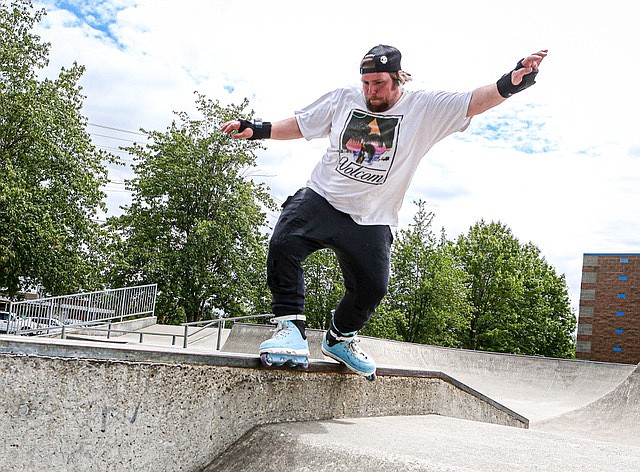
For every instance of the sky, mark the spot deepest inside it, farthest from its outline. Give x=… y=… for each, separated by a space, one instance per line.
x=559 y=163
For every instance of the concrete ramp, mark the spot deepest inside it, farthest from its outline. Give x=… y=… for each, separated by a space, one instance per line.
x=536 y=387
x=614 y=417
x=418 y=443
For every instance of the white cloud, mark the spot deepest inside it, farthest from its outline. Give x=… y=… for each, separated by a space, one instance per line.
x=559 y=163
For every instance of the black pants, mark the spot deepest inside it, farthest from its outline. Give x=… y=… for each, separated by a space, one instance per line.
x=309 y=223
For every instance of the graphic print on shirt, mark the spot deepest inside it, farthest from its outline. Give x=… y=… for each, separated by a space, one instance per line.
x=368 y=146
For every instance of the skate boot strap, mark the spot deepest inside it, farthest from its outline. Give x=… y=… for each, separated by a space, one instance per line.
x=342 y=337
x=279 y=319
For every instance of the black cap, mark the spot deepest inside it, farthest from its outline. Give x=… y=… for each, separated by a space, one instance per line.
x=381 y=59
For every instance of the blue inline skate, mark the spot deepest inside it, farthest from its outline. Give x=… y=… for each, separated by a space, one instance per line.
x=344 y=348
x=287 y=346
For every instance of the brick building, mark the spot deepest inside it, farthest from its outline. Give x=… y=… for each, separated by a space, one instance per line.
x=609 y=315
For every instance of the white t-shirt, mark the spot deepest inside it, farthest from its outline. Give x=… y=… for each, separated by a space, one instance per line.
x=372 y=157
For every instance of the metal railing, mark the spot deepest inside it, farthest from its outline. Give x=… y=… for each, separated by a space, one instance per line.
x=91 y=311
x=111 y=330
x=90 y=308
x=221 y=322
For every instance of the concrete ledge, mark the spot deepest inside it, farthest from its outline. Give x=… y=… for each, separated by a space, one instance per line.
x=79 y=406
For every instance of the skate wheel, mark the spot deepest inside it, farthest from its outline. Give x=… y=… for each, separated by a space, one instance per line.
x=371 y=377
x=298 y=363
x=266 y=360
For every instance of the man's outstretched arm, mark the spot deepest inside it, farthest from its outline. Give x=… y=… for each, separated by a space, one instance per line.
x=488 y=96
x=285 y=129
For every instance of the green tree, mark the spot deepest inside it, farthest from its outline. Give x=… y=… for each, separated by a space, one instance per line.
x=324 y=288
x=518 y=302
x=194 y=225
x=549 y=323
x=50 y=173
x=426 y=287
x=386 y=323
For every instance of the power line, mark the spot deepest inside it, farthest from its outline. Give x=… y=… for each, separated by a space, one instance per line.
x=115 y=190
x=117 y=129
x=113 y=137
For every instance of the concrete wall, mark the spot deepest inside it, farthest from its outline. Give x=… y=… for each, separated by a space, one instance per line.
x=70 y=406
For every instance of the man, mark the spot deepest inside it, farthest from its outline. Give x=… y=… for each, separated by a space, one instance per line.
x=378 y=134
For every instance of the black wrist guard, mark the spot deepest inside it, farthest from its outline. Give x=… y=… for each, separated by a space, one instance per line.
x=261 y=129
x=506 y=87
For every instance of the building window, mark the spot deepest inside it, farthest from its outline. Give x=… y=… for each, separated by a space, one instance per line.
x=590 y=261
x=622 y=295
x=619 y=313
x=619 y=331
x=624 y=259
x=587 y=294
x=617 y=349
x=588 y=277
x=585 y=329
x=622 y=277
x=586 y=311
x=583 y=346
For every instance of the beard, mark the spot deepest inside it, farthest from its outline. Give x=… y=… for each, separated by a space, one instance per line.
x=378 y=106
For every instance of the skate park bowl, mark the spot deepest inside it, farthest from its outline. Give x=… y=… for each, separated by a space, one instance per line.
x=87 y=404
